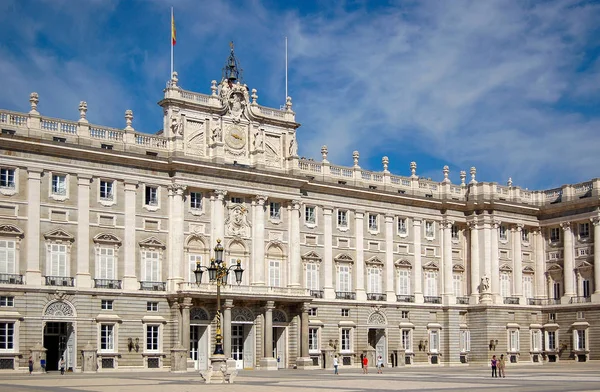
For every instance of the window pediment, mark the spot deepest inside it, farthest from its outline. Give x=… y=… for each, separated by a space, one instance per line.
x=374 y=261
x=152 y=242
x=583 y=265
x=555 y=268
x=403 y=263
x=344 y=258
x=505 y=268
x=528 y=270
x=458 y=268
x=311 y=257
x=59 y=235
x=12 y=231
x=432 y=265
x=107 y=239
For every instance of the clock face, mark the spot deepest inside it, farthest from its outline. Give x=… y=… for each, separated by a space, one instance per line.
x=235 y=138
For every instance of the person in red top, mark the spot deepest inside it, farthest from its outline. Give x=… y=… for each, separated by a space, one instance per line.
x=365 y=364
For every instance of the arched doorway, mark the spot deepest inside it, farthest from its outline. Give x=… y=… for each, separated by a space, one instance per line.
x=199 y=338
x=59 y=334
x=242 y=337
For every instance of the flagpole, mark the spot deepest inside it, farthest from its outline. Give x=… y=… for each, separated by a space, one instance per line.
x=286 y=70
x=171 y=40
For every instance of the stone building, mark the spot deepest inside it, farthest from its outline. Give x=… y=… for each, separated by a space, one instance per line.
x=101 y=229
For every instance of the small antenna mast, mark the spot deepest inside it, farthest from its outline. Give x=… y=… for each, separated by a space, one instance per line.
x=286 y=70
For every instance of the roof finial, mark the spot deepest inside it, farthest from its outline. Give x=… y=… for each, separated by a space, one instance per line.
x=232 y=71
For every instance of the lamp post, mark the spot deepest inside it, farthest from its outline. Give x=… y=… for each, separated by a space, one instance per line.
x=218 y=273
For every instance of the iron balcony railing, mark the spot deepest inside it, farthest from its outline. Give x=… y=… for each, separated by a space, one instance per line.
x=345 y=295
x=11 y=279
x=153 y=286
x=462 y=300
x=511 y=300
x=543 y=301
x=316 y=293
x=432 y=300
x=580 y=300
x=405 y=298
x=65 y=281
x=376 y=297
x=107 y=284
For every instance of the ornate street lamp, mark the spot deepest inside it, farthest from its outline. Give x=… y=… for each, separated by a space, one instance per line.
x=218 y=273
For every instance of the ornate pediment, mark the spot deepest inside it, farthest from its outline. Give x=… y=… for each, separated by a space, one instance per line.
x=554 y=268
x=432 y=265
x=528 y=270
x=582 y=265
x=374 y=261
x=107 y=238
x=59 y=235
x=237 y=221
x=377 y=318
x=235 y=97
x=59 y=309
x=505 y=268
x=152 y=242
x=458 y=268
x=11 y=231
x=344 y=258
x=403 y=263
x=311 y=256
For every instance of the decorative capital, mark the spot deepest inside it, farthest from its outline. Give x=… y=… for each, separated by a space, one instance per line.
x=519 y=227
x=566 y=226
x=261 y=199
x=220 y=193
x=178 y=189
x=447 y=223
x=472 y=225
x=496 y=223
x=595 y=221
x=270 y=305
x=296 y=204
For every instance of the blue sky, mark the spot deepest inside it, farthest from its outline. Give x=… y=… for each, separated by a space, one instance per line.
x=511 y=87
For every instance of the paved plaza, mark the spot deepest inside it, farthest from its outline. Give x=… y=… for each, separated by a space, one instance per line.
x=563 y=377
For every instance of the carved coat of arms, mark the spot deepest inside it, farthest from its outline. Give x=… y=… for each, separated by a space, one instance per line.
x=237 y=221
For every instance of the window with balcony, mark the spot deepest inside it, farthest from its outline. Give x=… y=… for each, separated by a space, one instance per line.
x=431 y=286
x=274 y=273
x=58 y=260
x=505 y=290
x=457 y=286
x=342 y=219
x=343 y=278
x=196 y=201
x=403 y=281
x=106 y=263
x=374 y=280
x=274 y=211
x=310 y=215
x=7 y=257
x=402 y=226
x=528 y=286
x=151 y=266
x=193 y=259
x=312 y=276
x=525 y=235
x=455 y=233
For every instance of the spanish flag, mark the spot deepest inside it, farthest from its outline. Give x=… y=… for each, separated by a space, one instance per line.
x=173 y=31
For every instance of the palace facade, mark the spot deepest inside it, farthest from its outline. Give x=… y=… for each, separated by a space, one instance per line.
x=102 y=228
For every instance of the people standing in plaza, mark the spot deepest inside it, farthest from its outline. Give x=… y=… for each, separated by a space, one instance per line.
x=61 y=365
x=30 y=364
x=502 y=366
x=335 y=365
x=365 y=364
x=494 y=366
x=379 y=364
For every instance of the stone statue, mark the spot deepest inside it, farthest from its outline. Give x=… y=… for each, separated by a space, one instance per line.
x=293 y=150
x=217 y=133
x=258 y=140
x=176 y=125
x=484 y=287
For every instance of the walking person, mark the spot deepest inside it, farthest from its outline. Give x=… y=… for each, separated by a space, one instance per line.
x=502 y=366
x=30 y=364
x=61 y=366
x=379 y=364
x=494 y=366
x=335 y=365
x=365 y=364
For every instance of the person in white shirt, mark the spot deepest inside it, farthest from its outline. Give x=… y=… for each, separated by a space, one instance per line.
x=335 y=365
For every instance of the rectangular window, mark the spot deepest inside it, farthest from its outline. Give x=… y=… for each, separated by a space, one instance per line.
x=312 y=311
x=274 y=273
x=465 y=340
x=106 y=304
x=312 y=276
x=313 y=339
x=6 y=301
x=429 y=229
x=407 y=340
x=402 y=226
x=194 y=260
x=503 y=233
x=556 y=290
x=455 y=232
x=151 y=263
x=237 y=200
x=310 y=215
x=374 y=280
x=196 y=200
x=7 y=257
x=505 y=285
x=403 y=282
x=58 y=260
x=584 y=230
x=342 y=218
x=107 y=337
x=434 y=341
x=151 y=197
x=404 y=314
x=580 y=339
x=106 y=263
x=345 y=313
x=106 y=190
x=59 y=184
x=551 y=340
x=275 y=211
x=513 y=343
x=555 y=234
x=152 y=306
x=344 y=278
x=373 y=224
x=536 y=340
x=152 y=337
x=585 y=283
x=551 y=317
x=7 y=178
x=346 y=343
x=430 y=284
x=457 y=285
x=528 y=286
x=7 y=335
x=525 y=235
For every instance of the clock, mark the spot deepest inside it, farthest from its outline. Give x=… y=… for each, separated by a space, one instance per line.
x=235 y=138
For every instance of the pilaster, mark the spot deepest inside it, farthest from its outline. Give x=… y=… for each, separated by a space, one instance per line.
x=418 y=270
x=258 y=228
x=33 y=275
x=474 y=260
x=495 y=261
x=268 y=362
x=176 y=210
x=83 y=276
x=361 y=294
x=568 y=263
x=517 y=262
x=294 y=248
x=328 y=289
x=130 y=281
x=540 y=269
x=389 y=259
x=227 y=327
x=448 y=296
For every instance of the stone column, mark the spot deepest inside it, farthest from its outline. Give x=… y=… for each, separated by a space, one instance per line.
x=227 y=327
x=495 y=267
x=517 y=263
x=305 y=361
x=258 y=236
x=448 y=293
x=389 y=259
x=130 y=280
x=294 y=248
x=549 y=286
x=596 y=226
x=218 y=221
x=268 y=362
x=185 y=323
x=83 y=276
x=359 y=266
x=568 y=262
x=487 y=247
x=176 y=218
x=328 y=289
x=418 y=268
x=33 y=274
x=474 y=261
x=540 y=269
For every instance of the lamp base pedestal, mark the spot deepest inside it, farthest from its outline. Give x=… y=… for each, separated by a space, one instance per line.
x=218 y=372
